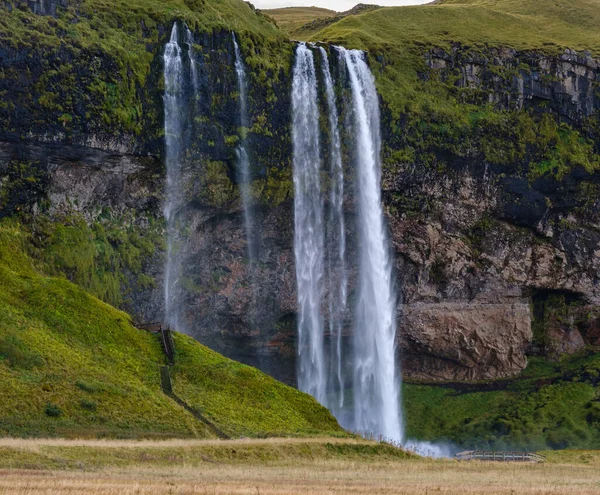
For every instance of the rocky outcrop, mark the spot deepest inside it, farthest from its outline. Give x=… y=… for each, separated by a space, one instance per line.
x=565 y=84
x=464 y=340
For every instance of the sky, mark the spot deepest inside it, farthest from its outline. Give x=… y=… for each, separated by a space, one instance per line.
x=338 y=5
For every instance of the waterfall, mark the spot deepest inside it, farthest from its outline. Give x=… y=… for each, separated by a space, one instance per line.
x=375 y=405
x=336 y=252
x=174 y=89
x=243 y=161
x=308 y=224
x=189 y=40
x=376 y=384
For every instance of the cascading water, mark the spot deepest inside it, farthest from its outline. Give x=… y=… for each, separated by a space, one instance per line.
x=308 y=223
x=174 y=89
x=376 y=393
x=336 y=252
x=189 y=40
x=243 y=161
x=376 y=385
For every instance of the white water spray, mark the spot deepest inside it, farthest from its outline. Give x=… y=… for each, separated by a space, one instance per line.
x=308 y=222
x=174 y=88
x=336 y=252
x=376 y=384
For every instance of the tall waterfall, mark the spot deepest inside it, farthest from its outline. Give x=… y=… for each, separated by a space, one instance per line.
x=376 y=384
x=308 y=223
x=174 y=90
x=336 y=252
x=243 y=161
x=375 y=403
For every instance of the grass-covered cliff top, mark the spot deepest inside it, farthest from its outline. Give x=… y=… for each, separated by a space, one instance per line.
x=94 y=67
x=521 y=24
x=435 y=109
x=71 y=365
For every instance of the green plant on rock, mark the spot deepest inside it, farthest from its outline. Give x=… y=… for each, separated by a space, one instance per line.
x=217 y=189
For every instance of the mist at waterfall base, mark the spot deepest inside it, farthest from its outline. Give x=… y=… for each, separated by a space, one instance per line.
x=359 y=383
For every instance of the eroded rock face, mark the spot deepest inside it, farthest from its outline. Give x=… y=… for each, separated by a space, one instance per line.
x=516 y=80
x=482 y=253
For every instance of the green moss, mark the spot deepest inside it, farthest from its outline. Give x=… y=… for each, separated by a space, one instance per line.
x=101 y=257
x=277 y=187
x=549 y=405
x=216 y=187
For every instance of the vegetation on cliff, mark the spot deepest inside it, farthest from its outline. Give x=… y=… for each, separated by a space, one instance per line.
x=437 y=115
x=70 y=365
x=93 y=66
x=549 y=406
x=290 y=19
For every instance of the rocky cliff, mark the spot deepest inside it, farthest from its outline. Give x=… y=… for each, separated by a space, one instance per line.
x=493 y=211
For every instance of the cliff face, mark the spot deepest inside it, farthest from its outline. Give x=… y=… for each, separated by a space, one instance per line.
x=496 y=259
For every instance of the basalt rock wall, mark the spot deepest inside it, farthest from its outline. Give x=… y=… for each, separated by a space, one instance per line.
x=492 y=264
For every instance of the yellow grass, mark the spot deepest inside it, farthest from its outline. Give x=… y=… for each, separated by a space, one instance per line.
x=380 y=475
x=291 y=18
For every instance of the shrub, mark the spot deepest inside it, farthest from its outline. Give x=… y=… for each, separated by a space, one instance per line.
x=53 y=411
x=16 y=353
x=88 y=405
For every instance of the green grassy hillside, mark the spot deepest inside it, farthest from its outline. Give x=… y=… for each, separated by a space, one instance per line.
x=70 y=365
x=527 y=24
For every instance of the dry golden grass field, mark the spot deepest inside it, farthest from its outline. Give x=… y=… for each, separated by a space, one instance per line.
x=273 y=466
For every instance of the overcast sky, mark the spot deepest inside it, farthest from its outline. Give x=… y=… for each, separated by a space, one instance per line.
x=339 y=5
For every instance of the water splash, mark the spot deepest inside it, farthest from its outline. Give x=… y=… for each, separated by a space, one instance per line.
x=243 y=161
x=336 y=251
x=308 y=222
x=174 y=90
x=376 y=385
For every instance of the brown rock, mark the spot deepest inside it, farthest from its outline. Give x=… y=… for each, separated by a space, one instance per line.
x=464 y=341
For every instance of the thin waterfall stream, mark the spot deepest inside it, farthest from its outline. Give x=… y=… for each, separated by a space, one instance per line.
x=174 y=90
x=243 y=160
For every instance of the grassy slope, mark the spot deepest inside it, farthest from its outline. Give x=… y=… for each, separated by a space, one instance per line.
x=550 y=405
x=289 y=19
x=520 y=24
x=102 y=454
x=72 y=365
